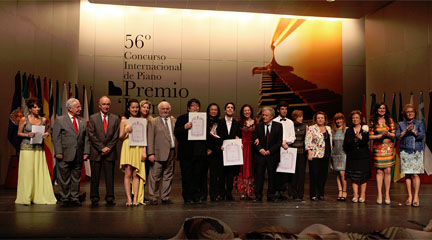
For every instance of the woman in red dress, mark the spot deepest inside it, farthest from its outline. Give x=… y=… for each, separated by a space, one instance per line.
x=245 y=180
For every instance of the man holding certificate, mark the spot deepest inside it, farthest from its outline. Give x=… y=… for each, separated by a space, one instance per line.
x=71 y=147
x=191 y=153
x=267 y=139
x=229 y=128
x=161 y=154
x=288 y=137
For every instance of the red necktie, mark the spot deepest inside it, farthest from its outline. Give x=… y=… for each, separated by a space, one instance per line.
x=75 y=124
x=105 y=124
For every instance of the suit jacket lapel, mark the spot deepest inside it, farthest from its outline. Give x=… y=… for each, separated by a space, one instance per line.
x=70 y=124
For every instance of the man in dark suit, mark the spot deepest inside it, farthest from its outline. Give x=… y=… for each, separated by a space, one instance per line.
x=103 y=134
x=228 y=128
x=191 y=155
x=267 y=139
x=71 y=148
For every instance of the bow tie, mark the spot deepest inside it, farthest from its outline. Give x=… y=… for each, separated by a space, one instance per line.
x=283 y=119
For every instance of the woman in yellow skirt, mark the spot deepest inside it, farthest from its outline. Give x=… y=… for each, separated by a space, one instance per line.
x=34 y=181
x=132 y=158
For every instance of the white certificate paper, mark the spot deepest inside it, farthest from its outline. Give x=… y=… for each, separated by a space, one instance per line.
x=287 y=162
x=38 y=130
x=199 y=126
x=138 y=136
x=233 y=152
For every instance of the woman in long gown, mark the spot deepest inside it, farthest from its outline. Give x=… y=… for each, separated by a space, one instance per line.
x=132 y=158
x=338 y=156
x=382 y=132
x=146 y=112
x=298 y=179
x=356 y=146
x=34 y=181
x=245 y=180
x=411 y=133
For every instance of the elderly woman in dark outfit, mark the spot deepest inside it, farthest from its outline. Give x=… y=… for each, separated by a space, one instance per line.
x=411 y=133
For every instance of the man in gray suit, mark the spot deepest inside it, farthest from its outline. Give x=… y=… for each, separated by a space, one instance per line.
x=161 y=153
x=103 y=134
x=71 y=148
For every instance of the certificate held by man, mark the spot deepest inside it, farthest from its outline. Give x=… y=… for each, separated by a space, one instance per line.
x=138 y=136
x=287 y=162
x=199 y=126
x=232 y=152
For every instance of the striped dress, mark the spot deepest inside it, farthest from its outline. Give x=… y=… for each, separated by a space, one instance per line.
x=383 y=149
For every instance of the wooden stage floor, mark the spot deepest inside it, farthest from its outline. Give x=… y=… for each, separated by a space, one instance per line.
x=164 y=221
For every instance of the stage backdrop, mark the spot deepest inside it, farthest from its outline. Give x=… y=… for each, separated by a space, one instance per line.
x=175 y=54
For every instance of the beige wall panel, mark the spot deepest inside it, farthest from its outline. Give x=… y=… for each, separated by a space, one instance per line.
x=167 y=37
x=110 y=33
x=195 y=77
x=251 y=40
x=87 y=31
x=195 y=37
x=223 y=37
x=223 y=77
x=247 y=85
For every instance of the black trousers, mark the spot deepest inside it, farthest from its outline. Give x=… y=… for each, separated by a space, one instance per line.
x=281 y=181
x=296 y=187
x=69 y=178
x=108 y=168
x=318 y=171
x=263 y=163
x=228 y=179
x=203 y=188
x=191 y=176
x=216 y=175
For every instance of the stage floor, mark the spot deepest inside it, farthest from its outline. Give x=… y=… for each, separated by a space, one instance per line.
x=164 y=221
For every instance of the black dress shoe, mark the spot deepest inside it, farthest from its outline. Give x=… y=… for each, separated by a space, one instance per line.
x=189 y=202
x=75 y=204
x=94 y=203
x=198 y=201
x=283 y=197
x=321 y=198
x=153 y=202
x=230 y=198
x=257 y=200
x=65 y=204
x=272 y=199
x=314 y=198
x=167 y=202
x=110 y=203
x=218 y=199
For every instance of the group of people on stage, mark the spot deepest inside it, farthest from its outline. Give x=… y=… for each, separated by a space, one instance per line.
x=345 y=149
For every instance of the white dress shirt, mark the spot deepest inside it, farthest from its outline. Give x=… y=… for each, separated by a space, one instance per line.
x=288 y=129
x=229 y=124
x=71 y=118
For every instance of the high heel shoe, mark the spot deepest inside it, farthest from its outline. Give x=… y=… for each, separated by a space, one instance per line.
x=355 y=200
x=416 y=204
x=362 y=200
x=408 y=202
x=387 y=202
x=339 y=198
x=343 y=198
x=379 y=202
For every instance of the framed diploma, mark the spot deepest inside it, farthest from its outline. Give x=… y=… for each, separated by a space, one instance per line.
x=138 y=136
x=39 y=131
x=233 y=152
x=199 y=126
x=288 y=159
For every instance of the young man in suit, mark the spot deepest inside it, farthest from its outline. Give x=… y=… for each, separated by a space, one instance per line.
x=103 y=134
x=71 y=148
x=267 y=139
x=288 y=137
x=191 y=155
x=228 y=128
x=161 y=154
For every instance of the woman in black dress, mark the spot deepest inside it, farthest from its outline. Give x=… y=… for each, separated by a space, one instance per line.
x=356 y=146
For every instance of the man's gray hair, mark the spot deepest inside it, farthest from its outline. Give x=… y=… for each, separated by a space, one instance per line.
x=271 y=110
x=70 y=102
x=159 y=105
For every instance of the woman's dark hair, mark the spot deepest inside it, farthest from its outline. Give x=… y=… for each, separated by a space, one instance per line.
x=193 y=100
x=30 y=102
x=374 y=117
x=128 y=105
x=208 y=110
x=242 y=116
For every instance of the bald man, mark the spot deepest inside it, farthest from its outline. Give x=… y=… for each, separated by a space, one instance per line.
x=103 y=134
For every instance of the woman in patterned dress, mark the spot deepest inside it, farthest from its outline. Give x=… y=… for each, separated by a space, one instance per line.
x=382 y=132
x=411 y=133
x=245 y=180
x=338 y=156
